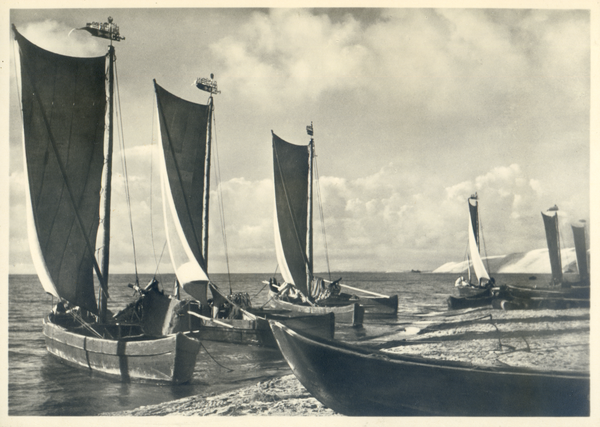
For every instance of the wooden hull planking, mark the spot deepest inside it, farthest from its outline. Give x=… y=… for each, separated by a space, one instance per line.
x=352 y=313
x=168 y=359
x=355 y=381
x=258 y=332
x=571 y=292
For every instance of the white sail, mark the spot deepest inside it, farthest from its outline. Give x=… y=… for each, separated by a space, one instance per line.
x=281 y=260
x=183 y=140
x=187 y=268
x=34 y=243
x=478 y=266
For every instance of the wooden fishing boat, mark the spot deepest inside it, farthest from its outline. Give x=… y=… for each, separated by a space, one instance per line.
x=185 y=152
x=474 y=261
x=540 y=303
x=302 y=290
x=356 y=381
x=481 y=300
x=559 y=288
x=68 y=164
x=134 y=356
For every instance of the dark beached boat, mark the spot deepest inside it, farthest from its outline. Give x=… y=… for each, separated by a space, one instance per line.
x=302 y=291
x=474 y=261
x=356 y=381
x=65 y=101
x=185 y=139
x=539 y=303
x=559 y=288
x=480 y=300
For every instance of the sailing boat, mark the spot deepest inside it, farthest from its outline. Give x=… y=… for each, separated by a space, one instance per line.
x=559 y=293
x=68 y=163
x=581 y=252
x=185 y=152
x=302 y=291
x=483 y=291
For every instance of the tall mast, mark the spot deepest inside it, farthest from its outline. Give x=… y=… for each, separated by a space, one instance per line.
x=309 y=211
x=210 y=86
x=107 y=31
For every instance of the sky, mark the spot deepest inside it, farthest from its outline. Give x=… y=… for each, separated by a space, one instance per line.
x=413 y=110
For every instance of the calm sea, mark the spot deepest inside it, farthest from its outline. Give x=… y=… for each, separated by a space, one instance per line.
x=40 y=385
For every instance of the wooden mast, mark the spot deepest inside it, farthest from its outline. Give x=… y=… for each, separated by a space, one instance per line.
x=108 y=31
x=210 y=86
x=309 y=219
x=207 y=184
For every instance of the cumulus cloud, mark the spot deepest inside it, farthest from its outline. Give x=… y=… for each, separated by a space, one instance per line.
x=56 y=37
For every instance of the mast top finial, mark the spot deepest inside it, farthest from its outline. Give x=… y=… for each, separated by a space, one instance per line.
x=207 y=85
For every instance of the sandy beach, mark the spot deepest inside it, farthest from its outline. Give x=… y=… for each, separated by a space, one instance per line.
x=539 y=339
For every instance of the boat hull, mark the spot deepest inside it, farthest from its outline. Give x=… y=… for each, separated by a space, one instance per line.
x=352 y=313
x=168 y=359
x=455 y=303
x=541 y=303
x=359 y=382
x=258 y=332
x=470 y=291
x=373 y=306
x=570 y=292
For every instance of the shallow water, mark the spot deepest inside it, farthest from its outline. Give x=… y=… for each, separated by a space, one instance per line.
x=40 y=385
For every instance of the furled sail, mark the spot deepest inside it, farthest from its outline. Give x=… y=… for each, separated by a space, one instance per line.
x=290 y=175
x=581 y=251
x=183 y=136
x=473 y=232
x=64 y=102
x=552 y=238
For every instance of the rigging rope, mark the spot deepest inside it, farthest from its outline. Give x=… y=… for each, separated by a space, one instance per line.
x=487 y=262
x=152 y=191
x=119 y=112
x=217 y=170
x=322 y=216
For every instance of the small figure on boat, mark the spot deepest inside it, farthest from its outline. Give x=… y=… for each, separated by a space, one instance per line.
x=461 y=282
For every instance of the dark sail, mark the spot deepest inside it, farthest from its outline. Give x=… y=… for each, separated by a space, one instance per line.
x=474 y=220
x=183 y=130
x=581 y=252
x=291 y=168
x=64 y=104
x=552 y=237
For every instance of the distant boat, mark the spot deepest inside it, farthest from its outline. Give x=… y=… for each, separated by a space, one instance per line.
x=415 y=271
x=357 y=381
x=64 y=103
x=185 y=152
x=559 y=288
x=302 y=291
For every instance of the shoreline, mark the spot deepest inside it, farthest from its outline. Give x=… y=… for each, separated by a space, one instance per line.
x=556 y=340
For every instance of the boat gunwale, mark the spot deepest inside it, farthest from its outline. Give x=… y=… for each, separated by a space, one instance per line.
x=354 y=350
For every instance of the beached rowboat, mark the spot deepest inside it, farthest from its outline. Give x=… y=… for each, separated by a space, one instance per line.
x=356 y=381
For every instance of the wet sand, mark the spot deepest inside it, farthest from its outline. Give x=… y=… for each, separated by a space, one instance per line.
x=538 y=339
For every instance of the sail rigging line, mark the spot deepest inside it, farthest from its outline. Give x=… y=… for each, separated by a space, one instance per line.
x=152 y=182
x=217 y=171
x=119 y=113
x=158 y=263
x=287 y=199
x=266 y=283
x=215 y=360
x=103 y=281
x=482 y=240
x=180 y=181
x=17 y=80
x=322 y=216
